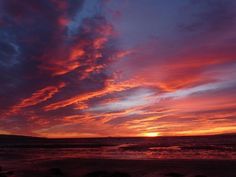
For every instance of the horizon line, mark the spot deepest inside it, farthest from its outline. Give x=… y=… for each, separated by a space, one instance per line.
x=101 y=137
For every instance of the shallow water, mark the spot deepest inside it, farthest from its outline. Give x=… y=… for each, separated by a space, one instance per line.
x=211 y=147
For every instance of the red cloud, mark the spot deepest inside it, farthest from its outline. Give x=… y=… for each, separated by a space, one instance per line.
x=37 y=97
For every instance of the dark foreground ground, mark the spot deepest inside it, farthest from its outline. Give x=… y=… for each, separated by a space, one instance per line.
x=123 y=168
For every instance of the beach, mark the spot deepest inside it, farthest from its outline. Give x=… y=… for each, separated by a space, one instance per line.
x=208 y=156
x=127 y=168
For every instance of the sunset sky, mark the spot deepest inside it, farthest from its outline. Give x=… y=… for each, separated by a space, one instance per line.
x=96 y=68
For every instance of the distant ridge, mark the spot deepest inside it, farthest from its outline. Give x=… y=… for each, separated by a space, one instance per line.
x=19 y=141
x=226 y=134
x=9 y=137
x=18 y=138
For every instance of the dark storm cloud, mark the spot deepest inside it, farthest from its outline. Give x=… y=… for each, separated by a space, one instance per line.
x=28 y=27
x=41 y=64
x=213 y=16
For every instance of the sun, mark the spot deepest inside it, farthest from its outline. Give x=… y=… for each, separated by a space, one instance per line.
x=151 y=134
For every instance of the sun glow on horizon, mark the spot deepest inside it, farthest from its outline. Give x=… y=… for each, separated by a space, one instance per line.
x=151 y=134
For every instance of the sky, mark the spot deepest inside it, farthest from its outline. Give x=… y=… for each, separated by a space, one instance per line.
x=98 y=68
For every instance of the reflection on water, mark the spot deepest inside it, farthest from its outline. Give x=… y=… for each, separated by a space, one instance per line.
x=120 y=148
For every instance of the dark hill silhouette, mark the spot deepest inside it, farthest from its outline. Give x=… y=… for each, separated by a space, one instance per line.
x=5 y=136
x=15 y=138
x=18 y=139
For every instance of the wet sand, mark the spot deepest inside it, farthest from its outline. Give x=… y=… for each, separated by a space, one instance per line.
x=127 y=168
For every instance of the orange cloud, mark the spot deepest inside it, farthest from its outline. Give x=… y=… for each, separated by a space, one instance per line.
x=110 y=88
x=37 y=97
x=82 y=52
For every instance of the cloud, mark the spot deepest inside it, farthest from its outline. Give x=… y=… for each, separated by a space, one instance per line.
x=83 y=52
x=108 y=89
x=67 y=66
x=139 y=97
x=37 y=97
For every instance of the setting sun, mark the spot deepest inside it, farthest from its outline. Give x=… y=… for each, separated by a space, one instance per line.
x=151 y=134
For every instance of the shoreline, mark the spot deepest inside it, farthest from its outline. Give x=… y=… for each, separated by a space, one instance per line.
x=77 y=167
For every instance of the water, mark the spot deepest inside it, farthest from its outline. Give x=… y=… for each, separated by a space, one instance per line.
x=31 y=150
